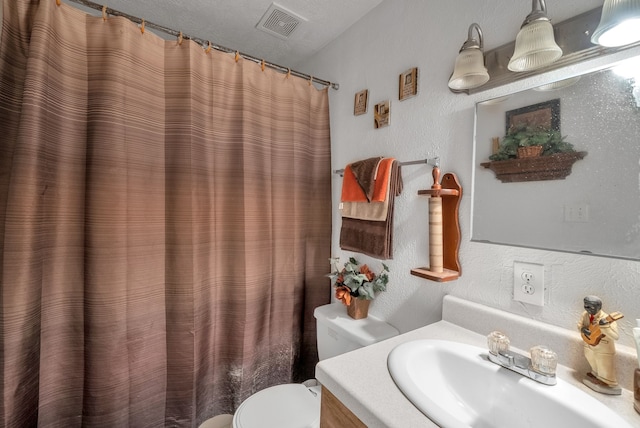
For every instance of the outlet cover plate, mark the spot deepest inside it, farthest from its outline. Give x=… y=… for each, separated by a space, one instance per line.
x=528 y=283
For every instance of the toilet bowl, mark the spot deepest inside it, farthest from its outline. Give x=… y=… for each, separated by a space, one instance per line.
x=291 y=405
x=298 y=405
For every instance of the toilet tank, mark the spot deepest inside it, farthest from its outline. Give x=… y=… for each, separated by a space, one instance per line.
x=339 y=333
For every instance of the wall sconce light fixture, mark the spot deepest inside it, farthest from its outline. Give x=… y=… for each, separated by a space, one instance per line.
x=469 y=70
x=573 y=34
x=535 y=43
x=619 y=23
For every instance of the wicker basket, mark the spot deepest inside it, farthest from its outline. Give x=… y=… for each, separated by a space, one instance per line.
x=529 y=152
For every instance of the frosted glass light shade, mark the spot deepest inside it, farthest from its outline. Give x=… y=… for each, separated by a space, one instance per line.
x=619 y=23
x=469 y=70
x=535 y=47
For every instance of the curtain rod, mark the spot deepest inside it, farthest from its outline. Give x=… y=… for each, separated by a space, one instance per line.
x=433 y=162
x=202 y=42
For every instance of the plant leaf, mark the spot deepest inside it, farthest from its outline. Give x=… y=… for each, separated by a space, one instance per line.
x=366 y=290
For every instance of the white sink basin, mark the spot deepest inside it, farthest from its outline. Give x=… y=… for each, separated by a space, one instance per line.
x=456 y=386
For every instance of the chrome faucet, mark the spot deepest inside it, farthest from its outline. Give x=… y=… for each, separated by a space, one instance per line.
x=541 y=367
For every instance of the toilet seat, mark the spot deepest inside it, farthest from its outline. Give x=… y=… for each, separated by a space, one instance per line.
x=281 y=406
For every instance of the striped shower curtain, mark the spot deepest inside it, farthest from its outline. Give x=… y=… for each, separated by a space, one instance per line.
x=165 y=224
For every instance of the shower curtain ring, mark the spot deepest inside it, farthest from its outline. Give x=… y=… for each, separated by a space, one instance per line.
x=237 y=56
x=57 y=2
x=180 y=38
x=104 y=13
x=262 y=65
x=142 y=27
x=208 y=49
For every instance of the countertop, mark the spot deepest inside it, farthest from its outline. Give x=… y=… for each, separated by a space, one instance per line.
x=361 y=381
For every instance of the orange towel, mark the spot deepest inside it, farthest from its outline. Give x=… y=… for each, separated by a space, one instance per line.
x=373 y=211
x=352 y=192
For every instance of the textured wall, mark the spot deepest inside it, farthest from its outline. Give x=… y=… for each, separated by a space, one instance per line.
x=398 y=35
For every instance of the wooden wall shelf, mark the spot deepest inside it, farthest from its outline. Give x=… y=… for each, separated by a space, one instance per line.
x=447 y=275
x=451 y=192
x=552 y=167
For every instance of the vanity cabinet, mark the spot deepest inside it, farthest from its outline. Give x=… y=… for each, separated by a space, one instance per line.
x=334 y=414
x=359 y=382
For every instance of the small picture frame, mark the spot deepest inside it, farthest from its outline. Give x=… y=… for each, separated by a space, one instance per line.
x=382 y=114
x=360 y=102
x=542 y=115
x=408 y=86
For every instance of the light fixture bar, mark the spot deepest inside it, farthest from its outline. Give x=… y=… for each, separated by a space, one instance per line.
x=572 y=35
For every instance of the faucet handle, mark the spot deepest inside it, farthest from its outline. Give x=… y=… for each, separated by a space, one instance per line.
x=497 y=342
x=543 y=360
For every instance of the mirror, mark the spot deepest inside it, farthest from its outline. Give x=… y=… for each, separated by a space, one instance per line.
x=595 y=209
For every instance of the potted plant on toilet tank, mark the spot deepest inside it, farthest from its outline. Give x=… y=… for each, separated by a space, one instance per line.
x=357 y=285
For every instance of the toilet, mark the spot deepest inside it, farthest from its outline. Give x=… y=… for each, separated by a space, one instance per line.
x=298 y=405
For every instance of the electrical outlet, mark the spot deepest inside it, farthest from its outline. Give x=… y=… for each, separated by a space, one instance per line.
x=577 y=213
x=527 y=276
x=528 y=289
x=528 y=283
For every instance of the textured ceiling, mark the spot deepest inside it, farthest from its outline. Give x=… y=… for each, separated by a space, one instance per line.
x=232 y=23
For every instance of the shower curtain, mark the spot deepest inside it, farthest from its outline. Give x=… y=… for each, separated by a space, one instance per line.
x=165 y=224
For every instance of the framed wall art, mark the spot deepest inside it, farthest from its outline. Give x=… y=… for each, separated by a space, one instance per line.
x=382 y=114
x=542 y=115
x=408 y=84
x=360 y=102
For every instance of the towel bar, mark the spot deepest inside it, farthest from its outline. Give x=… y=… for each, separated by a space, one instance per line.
x=435 y=162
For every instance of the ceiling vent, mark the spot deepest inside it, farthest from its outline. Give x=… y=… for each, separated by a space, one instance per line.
x=279 y=21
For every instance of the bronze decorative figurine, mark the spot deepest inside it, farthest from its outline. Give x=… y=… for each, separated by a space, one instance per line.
x=599 y=332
